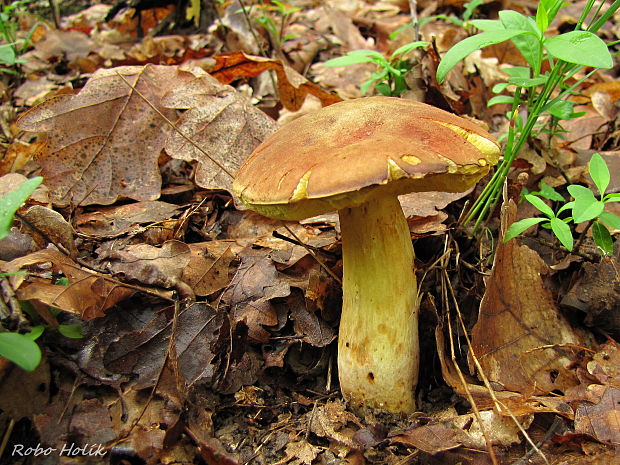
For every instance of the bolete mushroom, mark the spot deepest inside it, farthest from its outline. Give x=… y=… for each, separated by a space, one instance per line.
x=356 y=157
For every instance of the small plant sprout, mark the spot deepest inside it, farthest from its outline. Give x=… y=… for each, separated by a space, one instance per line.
x=265 y=18
x=585 y=207
x=389 y=79
x=21 y=349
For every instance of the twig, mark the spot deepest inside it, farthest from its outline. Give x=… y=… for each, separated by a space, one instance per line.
x=557 y=421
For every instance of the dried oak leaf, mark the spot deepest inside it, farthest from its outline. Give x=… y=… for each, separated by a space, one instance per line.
x=292 y=86
x=601 y=420
x=521 y=339
x=222 y=124
x=122 y=219
x=88 y=294
x=155 y=266
x=103 y=143
x=143 y=351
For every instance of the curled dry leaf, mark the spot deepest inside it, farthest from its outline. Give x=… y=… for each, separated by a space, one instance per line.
x=50 y=225
x=292 y=86
x=104 y=142
x=89 y=294
x=223 y=125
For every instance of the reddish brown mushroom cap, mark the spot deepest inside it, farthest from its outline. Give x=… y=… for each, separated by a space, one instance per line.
x=348 y=152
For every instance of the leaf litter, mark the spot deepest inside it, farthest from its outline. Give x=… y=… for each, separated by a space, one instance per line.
x=209 y=331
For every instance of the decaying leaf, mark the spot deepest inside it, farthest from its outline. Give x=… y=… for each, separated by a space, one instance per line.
x=103 y=143
x=89 y=294
x=464 y=430
x=256 y=282
x=601 y=420
x=223 y=125
x=154 y=266
x=292 y=86
x=521 y=339
x=122 y=219
x=143 y=351
x=207 y=272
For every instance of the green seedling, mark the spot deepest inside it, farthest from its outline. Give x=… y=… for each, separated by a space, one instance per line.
x=585 y=206
x=13 y=47
x=265 y=19
x=389 y=79
x=21 y=349
x=535 y=93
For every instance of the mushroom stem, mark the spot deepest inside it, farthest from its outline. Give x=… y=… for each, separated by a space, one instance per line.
x=378 y=353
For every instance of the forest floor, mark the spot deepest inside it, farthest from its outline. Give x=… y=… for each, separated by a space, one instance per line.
x=182 y=328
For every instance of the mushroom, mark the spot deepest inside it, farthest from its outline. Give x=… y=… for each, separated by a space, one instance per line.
x=356 y=157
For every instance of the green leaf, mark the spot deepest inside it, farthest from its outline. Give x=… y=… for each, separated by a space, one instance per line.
x=549 y=192
x=584 y=210
x=348 y=60
x=581 y=48
x=518 y=227
x=540 y=205
x=469 y=45
x=580 y=191
x=21 y=350
x=528 y=44
x=612 y=198
x=407 y=48
x=562 y=232
x=500 y=99
x=35 y=332
x=528 y=82
x=602 y=238
x=542 y=20
x=12 y=201
x=611 y=220
x=7 y=55
x=599 y=172
x=562 y=109
x=73 y=331
x=487 y=24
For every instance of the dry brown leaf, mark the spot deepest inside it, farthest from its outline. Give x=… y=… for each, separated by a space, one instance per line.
x=510 y=402
x=50 y=225
x=601 y=420
x=114 y=221
x=88 y=294
x=207 y=273
x=142 y=352
x=154 y=266
x=255 y=283
x=521 y=339
x=104 y=142
x=221 y=122
x=464 y=430
x=292 y=86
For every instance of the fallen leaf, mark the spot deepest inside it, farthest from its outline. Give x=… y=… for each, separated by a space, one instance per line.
x=292 y=86
x=110 y=222
x=521 y=339
x=602 y=420
x=142 y=352
x=222 y=124
x=153 y=266
x=89 y=294
x=207 y=273
x=104 y=142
